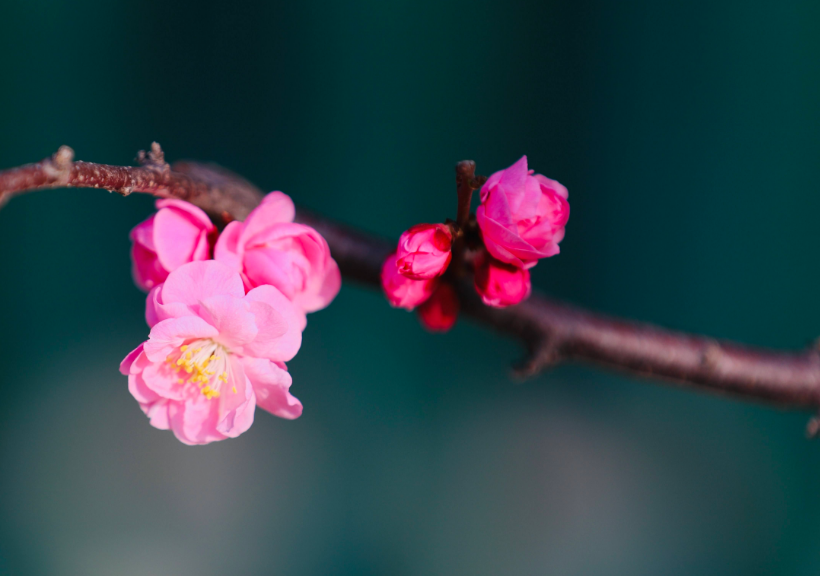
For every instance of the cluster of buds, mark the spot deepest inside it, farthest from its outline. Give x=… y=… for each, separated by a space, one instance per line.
x=226 y=311
x=520 y=220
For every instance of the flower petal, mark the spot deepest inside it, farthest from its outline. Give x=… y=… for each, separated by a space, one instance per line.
x=172 y=333
x=275 y=207
x=128 y=361
x=177 y=234
x=158 y=413
x=157 y=311
x=194 y=282
x=228 y=250
x=237 y=403
x=195 y=421
x=232 y=317
x=271 y=385
x=279 y=322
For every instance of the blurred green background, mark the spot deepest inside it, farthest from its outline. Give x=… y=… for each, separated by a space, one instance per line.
x=688 y=135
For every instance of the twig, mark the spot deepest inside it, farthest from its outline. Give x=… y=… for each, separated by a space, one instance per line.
x=553 y=332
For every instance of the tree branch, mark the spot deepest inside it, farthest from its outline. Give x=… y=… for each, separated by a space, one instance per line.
x=553 y=332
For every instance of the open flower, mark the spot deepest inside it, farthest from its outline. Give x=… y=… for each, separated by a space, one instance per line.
x=268 y=248
x=424 y=251
x=401 y=291
x=500 y=284
x=522 y=216
x=214 y=353
x=176 y=234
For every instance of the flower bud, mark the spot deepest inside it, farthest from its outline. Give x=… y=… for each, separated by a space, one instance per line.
x=424 y=251
x=176 y=234
x=440 y=311
x=268 y=248
x=522 y=216
x=401 y=291
x=500 y=284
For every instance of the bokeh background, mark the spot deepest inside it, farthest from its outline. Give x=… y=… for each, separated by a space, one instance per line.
x=688 y=134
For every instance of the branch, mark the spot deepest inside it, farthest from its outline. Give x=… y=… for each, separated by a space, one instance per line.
x=553 y=332
x=222 y=194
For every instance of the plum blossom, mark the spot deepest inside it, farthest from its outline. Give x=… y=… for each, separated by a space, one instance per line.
x=401 y=291
x=522 y=216
x=268 y=248
x=440 y=311
x=176 y=234
x=424 y=251
x=214 y=354
x=500 y=284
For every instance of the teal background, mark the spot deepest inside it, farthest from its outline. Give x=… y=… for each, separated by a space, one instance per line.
x=688 y=135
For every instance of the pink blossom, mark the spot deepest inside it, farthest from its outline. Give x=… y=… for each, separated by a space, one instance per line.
x=522 y=216
x=424 y=251
x=269 y=249
x=500 y=284
x=213 y=354
x=176 y=234
x=440 y=311
x=401 y=291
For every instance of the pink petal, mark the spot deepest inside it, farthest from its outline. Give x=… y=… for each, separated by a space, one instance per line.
x=157 y=311
x=232 y=317
x=125 y=365
x=176 y=236
x=554 y=185
x=236 y=408
x=515 y=177
x=145 y=267
x=196 y=214
x=504 y=244
x=196 y=281
x=195 y=421
x=280 y=325
x=227 y=249
x=330 y=282
x=172 y=333
x=271 y=385
x=158 y=413
x=162 y=379
x=143 y=234
x=140 y=391
x=276 y=207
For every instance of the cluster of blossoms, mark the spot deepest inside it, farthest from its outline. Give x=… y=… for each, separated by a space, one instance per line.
x=520 y=220
x=226 y=311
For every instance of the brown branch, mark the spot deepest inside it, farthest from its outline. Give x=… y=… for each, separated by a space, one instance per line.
x=223 y=195
x=553 y=332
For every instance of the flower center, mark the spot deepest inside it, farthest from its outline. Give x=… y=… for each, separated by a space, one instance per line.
x=204 y=363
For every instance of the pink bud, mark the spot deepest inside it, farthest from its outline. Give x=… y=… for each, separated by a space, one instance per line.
x=424 y=251
x=522 y=216
x=401 y=291
x=440 y=311
x=176 y=234
x=500 y=284
x=268 y=248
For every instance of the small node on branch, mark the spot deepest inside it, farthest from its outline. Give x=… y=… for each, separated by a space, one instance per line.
x=63 y=157
x=813 y=427
x=155 y=158
x=712 y=355
x=543 y=354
